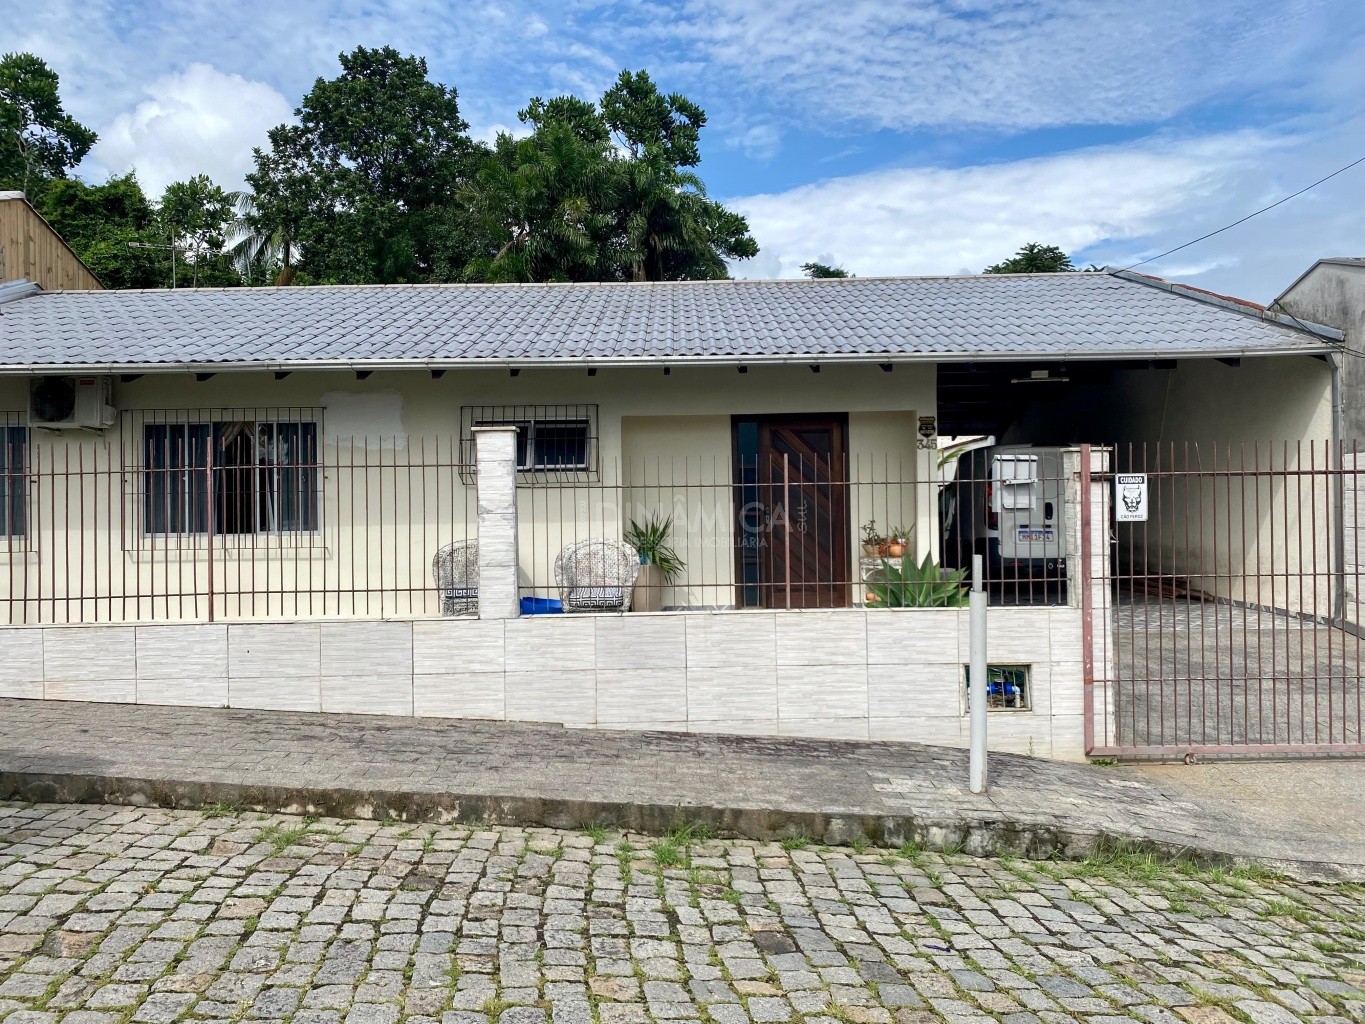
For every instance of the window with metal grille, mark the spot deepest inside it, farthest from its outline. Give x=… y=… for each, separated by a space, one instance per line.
x=553 y=441
x=13 y=479
x=255 y=476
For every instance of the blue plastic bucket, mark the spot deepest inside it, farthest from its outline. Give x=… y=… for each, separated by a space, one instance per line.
x=541 y=606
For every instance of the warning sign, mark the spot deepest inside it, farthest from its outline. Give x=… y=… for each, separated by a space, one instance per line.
x=1130 y=497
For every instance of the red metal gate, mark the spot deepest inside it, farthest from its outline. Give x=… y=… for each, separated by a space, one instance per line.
x=1234 y=619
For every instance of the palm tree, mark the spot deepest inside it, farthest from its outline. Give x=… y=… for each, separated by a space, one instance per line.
x=539 y=201
x=673 y=230
x=252 y=245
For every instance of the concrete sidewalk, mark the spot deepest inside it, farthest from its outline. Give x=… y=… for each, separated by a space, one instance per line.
x=761 y=788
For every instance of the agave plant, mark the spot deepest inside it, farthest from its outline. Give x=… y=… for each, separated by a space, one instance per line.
x=651 y=539
x=925 y=585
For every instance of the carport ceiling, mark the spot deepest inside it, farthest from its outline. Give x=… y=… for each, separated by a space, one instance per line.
x=987 y=398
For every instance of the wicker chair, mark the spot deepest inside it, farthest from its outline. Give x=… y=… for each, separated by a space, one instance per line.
x=455 y=569
x=596 y=575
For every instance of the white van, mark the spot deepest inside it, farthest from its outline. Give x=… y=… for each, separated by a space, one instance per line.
x=1005 y=503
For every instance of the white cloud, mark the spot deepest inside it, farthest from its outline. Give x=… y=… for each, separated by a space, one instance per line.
x=1006 y=63
x=1110 y=205
x=498 y=53
x=761 y=142
x=488 y=134
x=199 y=121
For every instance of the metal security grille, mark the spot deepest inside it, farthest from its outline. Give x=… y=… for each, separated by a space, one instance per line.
x=199 y=473
x=13 y=480
x=556 y=444
x=203 y=515
x=1236 y=617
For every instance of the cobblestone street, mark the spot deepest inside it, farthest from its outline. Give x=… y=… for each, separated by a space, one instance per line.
x=116 y=914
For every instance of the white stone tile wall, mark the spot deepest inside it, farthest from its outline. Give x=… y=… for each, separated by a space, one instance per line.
x=856 y=674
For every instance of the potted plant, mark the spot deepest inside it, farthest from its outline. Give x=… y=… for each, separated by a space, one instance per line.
x=925 y=585
x=659 y=563
x=873 y=542
x=898 y=542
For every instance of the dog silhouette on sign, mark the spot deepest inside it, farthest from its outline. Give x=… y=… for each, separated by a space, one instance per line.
x=1132 y=498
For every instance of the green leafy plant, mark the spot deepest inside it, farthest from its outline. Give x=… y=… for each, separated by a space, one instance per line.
x=871 y=537
x=651 y=540
x=925 y=585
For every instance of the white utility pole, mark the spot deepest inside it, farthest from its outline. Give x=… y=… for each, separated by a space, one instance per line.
x=976 y=678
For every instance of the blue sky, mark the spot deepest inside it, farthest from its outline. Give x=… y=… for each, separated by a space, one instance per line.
x=891 y=136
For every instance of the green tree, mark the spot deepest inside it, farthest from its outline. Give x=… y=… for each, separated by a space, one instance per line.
x=1033 y=258
x=602 y=192
x=196 y=216
x=282 y=204
x=541 y=204
x=99 y=222
x=816 y=269
x=38 y=138
x=359 y=189
x=671 y=229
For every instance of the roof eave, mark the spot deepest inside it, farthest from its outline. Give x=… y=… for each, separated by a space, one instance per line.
x=655 y=362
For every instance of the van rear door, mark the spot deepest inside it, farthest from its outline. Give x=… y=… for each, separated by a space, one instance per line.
x=1026 y=516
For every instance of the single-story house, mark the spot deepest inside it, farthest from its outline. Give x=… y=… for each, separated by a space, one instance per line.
x=236 y=497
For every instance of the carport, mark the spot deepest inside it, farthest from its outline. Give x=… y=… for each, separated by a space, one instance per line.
x=1233 y=628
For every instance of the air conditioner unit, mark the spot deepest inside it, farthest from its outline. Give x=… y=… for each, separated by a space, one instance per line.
x=68 y=403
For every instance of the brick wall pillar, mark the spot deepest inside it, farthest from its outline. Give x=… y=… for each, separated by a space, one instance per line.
x=495 y=458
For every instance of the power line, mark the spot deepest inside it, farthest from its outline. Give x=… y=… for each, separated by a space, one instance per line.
x=1248 y=217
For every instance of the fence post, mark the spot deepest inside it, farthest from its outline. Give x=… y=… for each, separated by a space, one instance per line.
x=1089 y=577
x=977 y=682
x=209 y=500
x=495 y=459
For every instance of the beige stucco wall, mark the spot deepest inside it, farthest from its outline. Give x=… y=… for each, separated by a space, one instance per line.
x=382 y=520
x=663 y=475
x=1246 y=527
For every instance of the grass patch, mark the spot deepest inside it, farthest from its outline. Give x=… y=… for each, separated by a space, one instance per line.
x=625 y=849
x=797 y=842
x=596 y=833
x=668 y=853
x=1289 y=909
x=702 y=876
x=281 y=837
x=219 y=810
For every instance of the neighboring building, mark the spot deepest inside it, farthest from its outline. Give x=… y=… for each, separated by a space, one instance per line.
x=31 y=250
x=1332 y=292
x=246 y=488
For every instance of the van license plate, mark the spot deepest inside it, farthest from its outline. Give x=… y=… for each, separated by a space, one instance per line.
x=1035 y=536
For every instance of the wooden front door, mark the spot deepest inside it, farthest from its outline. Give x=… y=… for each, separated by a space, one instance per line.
x=793 y=529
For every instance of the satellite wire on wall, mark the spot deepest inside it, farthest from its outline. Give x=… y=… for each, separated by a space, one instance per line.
x=1248 y=217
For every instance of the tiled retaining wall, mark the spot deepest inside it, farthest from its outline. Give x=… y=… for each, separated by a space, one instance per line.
x=888 y=675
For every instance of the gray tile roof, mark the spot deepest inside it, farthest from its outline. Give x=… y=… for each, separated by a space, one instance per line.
x=1053 y=316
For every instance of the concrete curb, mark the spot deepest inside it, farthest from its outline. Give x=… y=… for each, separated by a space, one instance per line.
x=991 y=834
